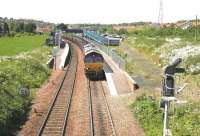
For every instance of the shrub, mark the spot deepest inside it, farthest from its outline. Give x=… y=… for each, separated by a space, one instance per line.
x=185 y=121
x=14 y=74
x=149 y=115
x=11 y=34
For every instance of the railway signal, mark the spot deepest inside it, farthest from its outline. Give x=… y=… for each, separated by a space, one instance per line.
x=168 y=81
x=168 y=92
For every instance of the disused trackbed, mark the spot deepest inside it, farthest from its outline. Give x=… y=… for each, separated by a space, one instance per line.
x=55 y=121
x=100 y=115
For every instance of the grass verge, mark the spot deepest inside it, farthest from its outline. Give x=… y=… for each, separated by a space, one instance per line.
x=10 y=46
x=149 y=115
x=184 y=119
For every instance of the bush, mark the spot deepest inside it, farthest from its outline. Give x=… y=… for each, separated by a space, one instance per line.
x=149 y=43
x=13 y=108
x=11 y=34
x=14 y=74
x=154 y=32
x=185 y=121
x=149 y=115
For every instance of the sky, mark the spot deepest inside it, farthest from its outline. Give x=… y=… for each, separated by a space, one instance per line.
x=99 y=11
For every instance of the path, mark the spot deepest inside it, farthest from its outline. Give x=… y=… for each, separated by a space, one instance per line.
x=146 y=73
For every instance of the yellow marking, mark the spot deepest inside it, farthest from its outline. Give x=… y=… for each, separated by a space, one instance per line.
x=94 y=66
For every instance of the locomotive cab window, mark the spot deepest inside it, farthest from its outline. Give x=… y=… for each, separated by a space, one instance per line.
x=99 y=59
x=89 y=60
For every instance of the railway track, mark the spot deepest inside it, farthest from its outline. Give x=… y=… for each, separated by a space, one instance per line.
x=55 y=121
x=101 y=122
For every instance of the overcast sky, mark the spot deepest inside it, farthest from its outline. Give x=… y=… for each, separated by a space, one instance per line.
x=99 y=11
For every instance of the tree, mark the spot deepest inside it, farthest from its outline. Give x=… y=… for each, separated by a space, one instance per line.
x=19 y=27
x=62 y=26
x=30 y=27
x=5 y=28
x=103 y=30
x=122 y=31
x=12 y=26
x=1 y=30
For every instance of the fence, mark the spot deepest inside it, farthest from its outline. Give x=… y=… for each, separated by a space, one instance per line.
x=113 y=54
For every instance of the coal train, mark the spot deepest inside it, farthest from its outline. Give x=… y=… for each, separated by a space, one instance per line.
x=93 y=60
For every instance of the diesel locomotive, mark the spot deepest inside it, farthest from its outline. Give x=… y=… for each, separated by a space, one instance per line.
x=93 y=62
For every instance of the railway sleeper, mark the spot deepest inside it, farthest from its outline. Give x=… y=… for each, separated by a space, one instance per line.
x=61 y=99
x=55 y=127
x=56 y=120
x=55 y=124
x=52 y=133
x=58 y=112
x=57 y=115
x=57 y=134
x=57 y=105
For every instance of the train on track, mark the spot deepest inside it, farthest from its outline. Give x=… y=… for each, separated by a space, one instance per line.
x=94 y=61
x=105 y=40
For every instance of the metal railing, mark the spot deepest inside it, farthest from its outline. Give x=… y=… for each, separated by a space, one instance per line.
x=113 y=54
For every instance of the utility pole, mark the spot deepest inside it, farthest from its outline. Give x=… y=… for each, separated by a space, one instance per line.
x=196 y=25
x=160 y=16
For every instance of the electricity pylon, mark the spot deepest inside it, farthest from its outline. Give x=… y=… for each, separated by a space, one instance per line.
x=161 y=14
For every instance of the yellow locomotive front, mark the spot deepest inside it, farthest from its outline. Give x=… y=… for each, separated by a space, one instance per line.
x=93 y=64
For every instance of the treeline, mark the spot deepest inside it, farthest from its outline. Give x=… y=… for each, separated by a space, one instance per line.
x=11 y=26
x=9 y=29
x=109 y=29
x=153 y=31
x=62 y=27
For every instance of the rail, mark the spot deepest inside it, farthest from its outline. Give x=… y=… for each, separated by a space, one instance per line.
x=60 y=93
x=92 y=86
x=109 y=113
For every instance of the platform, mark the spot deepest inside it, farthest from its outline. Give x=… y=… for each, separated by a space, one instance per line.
x=64 y=56
x=123 y=83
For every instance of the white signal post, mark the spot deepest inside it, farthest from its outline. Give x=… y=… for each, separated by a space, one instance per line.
x=169 y=91
x=167 y=100
x=165 y=132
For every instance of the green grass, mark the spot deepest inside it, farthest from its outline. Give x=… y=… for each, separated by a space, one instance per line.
x=15 y=45
x=192 y=60
x=184 y=120
x=149 y=115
